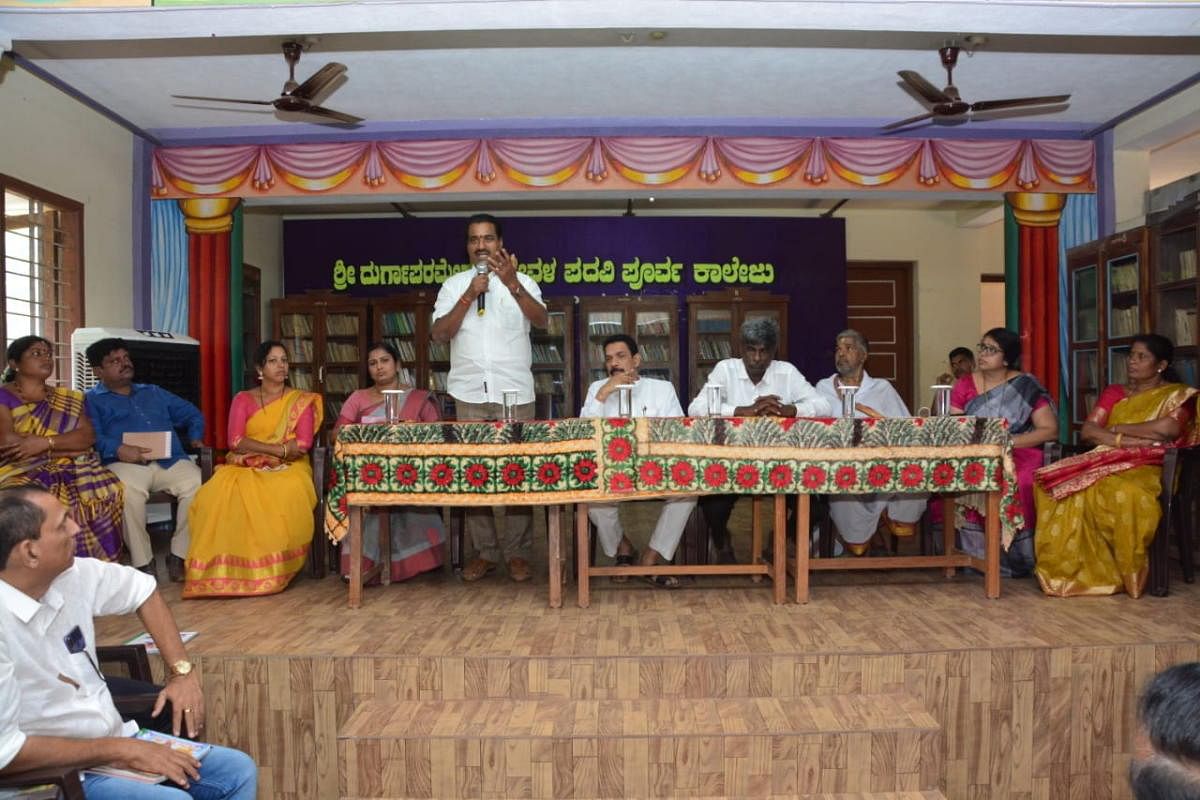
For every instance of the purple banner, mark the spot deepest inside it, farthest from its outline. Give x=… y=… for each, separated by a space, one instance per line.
x=570 y=256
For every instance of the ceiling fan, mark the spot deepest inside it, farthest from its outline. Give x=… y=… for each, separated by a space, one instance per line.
x=948 y=103
x=297 y=97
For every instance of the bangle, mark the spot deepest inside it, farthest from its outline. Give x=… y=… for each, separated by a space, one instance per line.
x=464 y=301
x=517 y=291
x=283 y=450
x=1118 y=443
x=49 y=445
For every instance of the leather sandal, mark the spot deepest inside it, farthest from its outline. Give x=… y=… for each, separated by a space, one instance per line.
x=518 y=570
x=662 y=581
x=477 y=568
x=624 y=560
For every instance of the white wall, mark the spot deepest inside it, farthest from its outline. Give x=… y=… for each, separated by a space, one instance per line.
x=949 y=261
x=262 y=246
x=58 y=144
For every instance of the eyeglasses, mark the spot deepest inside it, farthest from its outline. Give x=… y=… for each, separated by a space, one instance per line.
x=489 y=238
x=986 y=349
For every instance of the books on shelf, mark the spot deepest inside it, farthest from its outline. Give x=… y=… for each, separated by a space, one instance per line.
x=405 y=347
x=342 y=324
x=546 y=354
x=399 y=322
x=1123 y=278
x=301 y=379
x=557 y=323
x=548 y=383
x=600 y=328
x=439 y=351
x=299 y=349
x=1185 y=327
x=296 y=325
x=341 y=351
x=714 y=348
x=654 y=351
x=340 y=382
x=1187 y=264
x=438 y=379
x=1123 y=322
x=657 y=325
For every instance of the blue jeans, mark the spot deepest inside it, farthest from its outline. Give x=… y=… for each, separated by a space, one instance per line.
x=225 y=774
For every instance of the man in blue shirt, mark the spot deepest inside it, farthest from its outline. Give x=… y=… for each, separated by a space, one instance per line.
x=118 y=406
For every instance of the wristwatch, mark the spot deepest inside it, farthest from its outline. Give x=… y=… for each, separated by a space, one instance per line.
x=180 y=668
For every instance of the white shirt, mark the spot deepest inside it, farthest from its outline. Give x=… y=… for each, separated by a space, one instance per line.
x=876 y=393
x=651 y=398
x=61 y=694
x=490 y=354
x=11 y=738
x=780 y=379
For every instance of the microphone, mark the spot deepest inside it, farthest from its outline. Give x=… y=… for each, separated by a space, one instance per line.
x=481 y=268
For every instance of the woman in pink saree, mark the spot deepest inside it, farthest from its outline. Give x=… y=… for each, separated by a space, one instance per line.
x=417 y=534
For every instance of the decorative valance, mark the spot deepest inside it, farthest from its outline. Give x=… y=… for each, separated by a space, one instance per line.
x=622 y=162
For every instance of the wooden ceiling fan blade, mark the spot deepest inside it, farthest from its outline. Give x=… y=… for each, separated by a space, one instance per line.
x=1014 y=102
x=222 y=99
x=330 y=114
x=319 y=80
x=927 y=90
x=902 y=123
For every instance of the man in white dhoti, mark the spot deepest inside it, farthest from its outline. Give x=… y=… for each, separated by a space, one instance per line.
x=754 y=385
x=651 y=398
x=858 y=516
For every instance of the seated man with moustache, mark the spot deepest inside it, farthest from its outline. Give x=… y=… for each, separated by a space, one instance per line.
x=858 y=516
x=651 y=398
x=55 y=706
x=755 y=385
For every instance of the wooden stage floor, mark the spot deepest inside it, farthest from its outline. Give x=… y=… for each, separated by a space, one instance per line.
x=897 y=683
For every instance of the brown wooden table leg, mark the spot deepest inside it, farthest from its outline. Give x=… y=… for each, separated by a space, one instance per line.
x=991 y=535
x=779 y=550
x=756 y=535
x=581 y=555
x=555 y=555
x=802 y=544
x=356 y=551
x=948 y=531
x=385 y=545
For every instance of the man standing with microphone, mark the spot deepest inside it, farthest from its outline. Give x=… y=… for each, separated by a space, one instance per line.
x=485 y=314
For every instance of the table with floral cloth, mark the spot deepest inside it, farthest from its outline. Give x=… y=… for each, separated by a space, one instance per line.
x=566 y=461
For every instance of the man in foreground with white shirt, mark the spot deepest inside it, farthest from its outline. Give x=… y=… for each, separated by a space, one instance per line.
x=650 y=398
x=55 y=707
x=485 y=314
x=755 y=385
x=858 y=516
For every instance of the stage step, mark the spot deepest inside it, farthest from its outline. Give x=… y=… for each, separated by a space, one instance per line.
x=682 y=747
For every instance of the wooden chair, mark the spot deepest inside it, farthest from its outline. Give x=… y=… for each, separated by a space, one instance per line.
x=1179 y=498
x=68 y=780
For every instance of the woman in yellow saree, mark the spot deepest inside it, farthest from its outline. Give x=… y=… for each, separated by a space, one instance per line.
x=1097 y=512
x=252 y=522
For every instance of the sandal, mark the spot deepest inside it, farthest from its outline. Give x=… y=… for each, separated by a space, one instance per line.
x=477 y=569
x=624 y=560
x=662 y=581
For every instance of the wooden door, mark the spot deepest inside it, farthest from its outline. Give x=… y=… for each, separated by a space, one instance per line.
x=879 y=304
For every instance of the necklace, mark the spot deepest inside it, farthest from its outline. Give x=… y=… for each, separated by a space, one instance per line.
x=262 y=397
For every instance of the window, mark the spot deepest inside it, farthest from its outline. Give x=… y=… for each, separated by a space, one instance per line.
x=42 y=252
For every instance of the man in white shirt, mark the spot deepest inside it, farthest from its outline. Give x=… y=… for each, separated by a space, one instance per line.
x=858 y=516
x=485 y=314
x=651 y=398
x=755 y=385
x=55 y=708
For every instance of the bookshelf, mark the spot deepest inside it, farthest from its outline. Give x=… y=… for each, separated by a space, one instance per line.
x=714 y=324
x=554 y=360
x=652 y=321
x=404 y=322
x=1174 y=287
x=326 y=338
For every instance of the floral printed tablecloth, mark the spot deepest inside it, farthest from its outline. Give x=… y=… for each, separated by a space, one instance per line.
x=603 y=460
